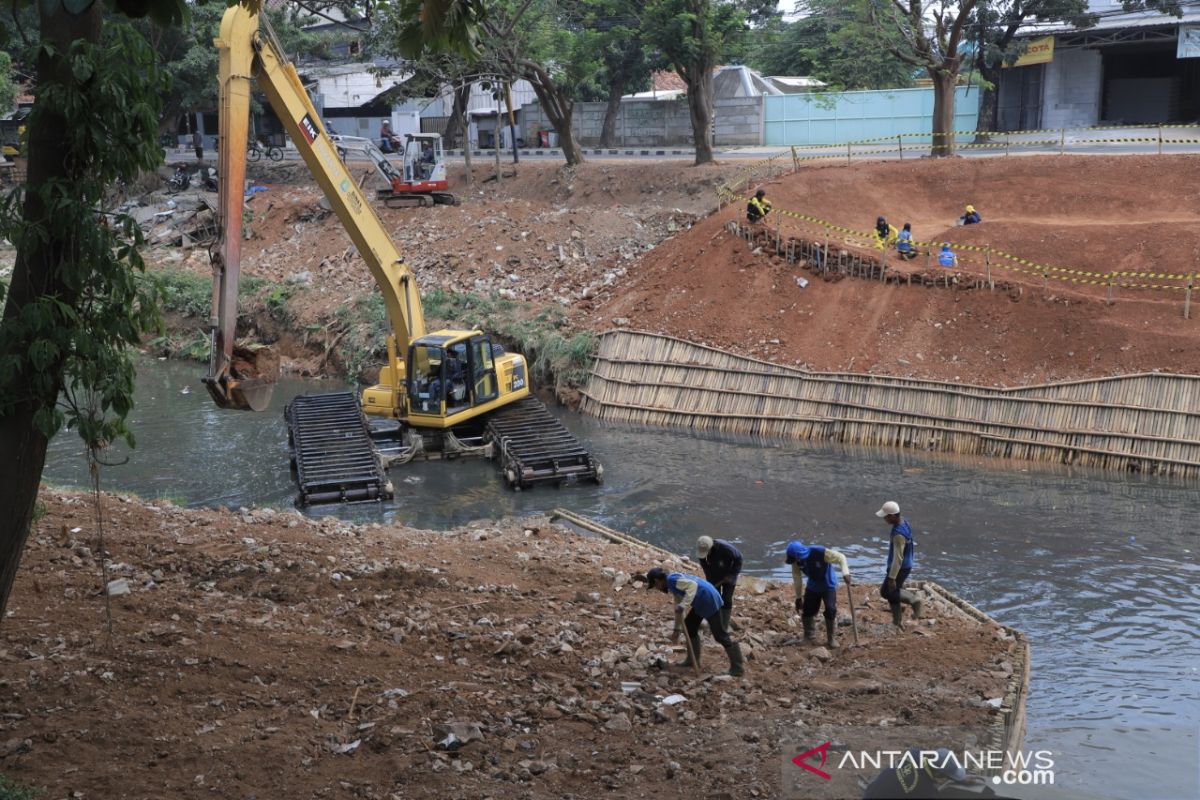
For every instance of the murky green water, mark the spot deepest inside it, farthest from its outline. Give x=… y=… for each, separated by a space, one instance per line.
x=1101 y=570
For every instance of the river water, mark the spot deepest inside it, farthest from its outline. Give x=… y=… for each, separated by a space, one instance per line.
x=1102 y=571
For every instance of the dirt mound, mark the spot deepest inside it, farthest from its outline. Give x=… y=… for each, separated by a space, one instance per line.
x=267 y=654
x=707 y=285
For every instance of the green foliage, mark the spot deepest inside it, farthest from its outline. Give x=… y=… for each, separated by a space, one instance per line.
x=10 y=789
x=439 y=26
x=834 y=43
x=84 y=335
x=186 y=52
x=182 y=292
x=694 y=35
x=8 y=92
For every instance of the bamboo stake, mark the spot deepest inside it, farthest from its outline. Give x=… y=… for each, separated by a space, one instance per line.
x=1187 y=298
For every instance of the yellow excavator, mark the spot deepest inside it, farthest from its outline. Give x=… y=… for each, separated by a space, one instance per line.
x=445 y=393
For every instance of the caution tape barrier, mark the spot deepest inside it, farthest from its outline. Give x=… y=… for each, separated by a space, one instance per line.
x=997 y=259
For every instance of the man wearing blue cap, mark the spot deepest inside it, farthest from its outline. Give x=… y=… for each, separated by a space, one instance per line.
x=817 y=564
x=696 y=600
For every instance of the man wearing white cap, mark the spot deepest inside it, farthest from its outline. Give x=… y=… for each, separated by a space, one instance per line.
x=722 y=563
x=899 y=564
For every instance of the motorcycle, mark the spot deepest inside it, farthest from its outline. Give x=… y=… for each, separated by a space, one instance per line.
x=180 y=181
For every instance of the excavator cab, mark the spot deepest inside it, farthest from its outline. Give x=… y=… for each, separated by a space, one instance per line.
x=424 y=159
x=452 y=377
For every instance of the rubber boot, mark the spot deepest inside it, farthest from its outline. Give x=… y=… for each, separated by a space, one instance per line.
x=687 y=661
x=810 y=628
x=898 y=615
x=736 y=666
x=830 y=638
x=726 y=613
x=913 y=600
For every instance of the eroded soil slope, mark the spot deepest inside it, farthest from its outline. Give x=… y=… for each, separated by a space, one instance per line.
x=1085 y=213
x=265 y=654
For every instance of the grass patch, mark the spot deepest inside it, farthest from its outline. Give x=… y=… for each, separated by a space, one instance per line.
x=11 y=790
x=183 y=292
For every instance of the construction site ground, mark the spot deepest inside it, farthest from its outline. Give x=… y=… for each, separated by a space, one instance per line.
x=268 y=654
x=636 y=244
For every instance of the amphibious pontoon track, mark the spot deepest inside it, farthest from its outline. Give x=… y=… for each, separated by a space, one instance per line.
x=534 y=447
x=335 y=459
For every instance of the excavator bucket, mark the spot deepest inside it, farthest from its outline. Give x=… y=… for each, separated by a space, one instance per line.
x=250 y=382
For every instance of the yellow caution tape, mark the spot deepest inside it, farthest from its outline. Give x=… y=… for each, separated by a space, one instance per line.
x=1002 y=260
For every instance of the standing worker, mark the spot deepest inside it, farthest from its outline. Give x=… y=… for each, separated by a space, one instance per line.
x=722 y=563
x=697 y=600
x=816 y=563
x=899 y=565
x=198 y=144
x=758 y=207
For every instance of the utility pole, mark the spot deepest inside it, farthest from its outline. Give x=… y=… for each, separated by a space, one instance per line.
x=496 y=131
x=512 y=121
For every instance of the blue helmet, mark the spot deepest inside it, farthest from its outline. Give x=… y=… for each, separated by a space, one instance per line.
x=796 y=551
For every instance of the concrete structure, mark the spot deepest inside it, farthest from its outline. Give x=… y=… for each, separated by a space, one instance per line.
x=1131 y=68
x=656 y=123
x=837 y=117
x=795 y=85
x=348 y=97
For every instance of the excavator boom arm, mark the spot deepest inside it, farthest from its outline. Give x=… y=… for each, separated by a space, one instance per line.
x=247 y=53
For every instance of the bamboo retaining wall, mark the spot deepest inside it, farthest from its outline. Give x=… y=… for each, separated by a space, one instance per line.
x=1141 y=423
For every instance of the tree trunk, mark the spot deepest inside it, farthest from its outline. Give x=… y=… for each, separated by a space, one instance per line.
x=36 y=274
x=608 y=131
x=558 y=108
x=700 y=104
x=944 y=85
x=989 y=101
x=455 y=125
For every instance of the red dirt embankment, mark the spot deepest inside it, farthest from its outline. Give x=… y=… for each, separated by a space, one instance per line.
x=265 y=654
x=1097 y=214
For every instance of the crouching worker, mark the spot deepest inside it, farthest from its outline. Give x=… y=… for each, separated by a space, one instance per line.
x=696 y=600
x=817 y=564
x=758 y=207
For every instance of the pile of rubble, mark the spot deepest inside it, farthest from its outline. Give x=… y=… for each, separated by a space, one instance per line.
x=187 y=219
x=502 y=659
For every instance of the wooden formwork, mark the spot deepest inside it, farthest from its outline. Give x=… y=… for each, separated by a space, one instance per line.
x=1142 y=423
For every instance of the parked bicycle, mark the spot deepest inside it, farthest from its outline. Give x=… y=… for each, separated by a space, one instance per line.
x=256 y=150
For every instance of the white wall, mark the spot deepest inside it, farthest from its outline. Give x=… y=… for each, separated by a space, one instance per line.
x=352 y=89
x=1071 y=97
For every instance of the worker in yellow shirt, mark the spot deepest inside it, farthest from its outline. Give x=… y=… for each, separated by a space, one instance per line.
x=885 y=234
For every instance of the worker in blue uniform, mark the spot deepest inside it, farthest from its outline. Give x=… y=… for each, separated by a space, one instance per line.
x=722 y=563
x=904 y=243
x=696 y=601
x=899 y=564
x=947 y=257
x=925 y=775
x=816 y=563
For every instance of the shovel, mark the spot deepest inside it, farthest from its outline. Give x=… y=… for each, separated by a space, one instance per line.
x=853 y=619
x=687 y=640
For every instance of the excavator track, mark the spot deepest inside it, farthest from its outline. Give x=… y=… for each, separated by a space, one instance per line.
x=534 y=447
x=332 y=451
